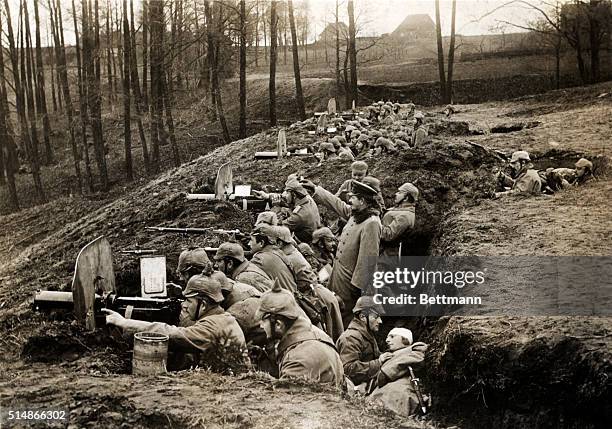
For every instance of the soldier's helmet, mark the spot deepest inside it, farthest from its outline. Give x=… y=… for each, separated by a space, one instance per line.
x=520 y=155
x=284 y=234
x=584 y=163
x=279 y=302
x=193 y=258
x=233 y=250
x=366 y=303
x=321 y=233
x=204 y=285
x=267 y=217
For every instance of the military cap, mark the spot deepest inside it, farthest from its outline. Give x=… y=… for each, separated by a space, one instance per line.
x=267 y=217
x=327 y=146
x=279 y=302
x=359 y=167
x=350 y=128
x=284 y=234
x=384 y=142
x=233 y=250
x=204 y=285
x=294 y=185
x=372 y=182
x=375 y=134
x=363 y=138
x=305 y=249
x=366 y=303
x=321 y=233
x=355 y=134
x=362 y=190
x=266 y=230
x=194 y=258
x=419 y=115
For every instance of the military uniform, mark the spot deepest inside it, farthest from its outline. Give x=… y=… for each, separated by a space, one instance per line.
x=358 y=249
x=307 y=352
x=394 y=389
x=304 y=219
x=274 y=262
x=359 y=352
x=252 y=275
x=344 y=190
x=527 y=182
x=214 y=325
x=395 y=223
x=419 y=136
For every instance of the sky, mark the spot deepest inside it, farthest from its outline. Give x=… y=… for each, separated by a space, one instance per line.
x=383 y=16
x=375 y=16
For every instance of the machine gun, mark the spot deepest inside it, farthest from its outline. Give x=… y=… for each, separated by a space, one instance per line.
x=417 y=388
x=166 y=309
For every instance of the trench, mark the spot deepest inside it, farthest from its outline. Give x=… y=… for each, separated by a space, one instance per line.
x=468 y=386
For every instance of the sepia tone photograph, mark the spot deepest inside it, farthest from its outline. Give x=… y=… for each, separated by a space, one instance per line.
x=306 y=214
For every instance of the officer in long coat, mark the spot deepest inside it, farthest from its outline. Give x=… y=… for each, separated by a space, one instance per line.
x=303 y=350
x=358 y=246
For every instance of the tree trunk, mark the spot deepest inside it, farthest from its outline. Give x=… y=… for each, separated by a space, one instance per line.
x=256 y=33
x=451 y=56
x=242 y=131
x=273 y=43
x=352 y=53
x=347 y=84
x=127 y=128
x=109 y=66
x=440 y=53
x=214 y=58
x=91 y=61
x=265 y=34
x=8 y=150
x=167 y=88
x=296 y=66
x=145 y=51
x=210 y=56
x=42 y=98
x=595 y=42
x=62 y=77
x=338 y=84
x=134 y=80
x=27 y=79
x=156 y=27
x=82 y=76
x=53 y=64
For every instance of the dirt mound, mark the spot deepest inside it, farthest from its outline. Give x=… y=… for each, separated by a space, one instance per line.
x=191 y=399
x=510 y=374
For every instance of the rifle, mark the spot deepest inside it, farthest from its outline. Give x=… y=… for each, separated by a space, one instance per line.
x=139 y=251
x=417 y=388
x=179 y=230
x=236 y=233
x=167 y=309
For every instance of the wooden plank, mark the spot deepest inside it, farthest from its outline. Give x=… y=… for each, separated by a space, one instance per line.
x=224 y=182
x=93 y=273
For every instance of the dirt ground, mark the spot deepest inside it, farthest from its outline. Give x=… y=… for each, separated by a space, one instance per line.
x=493 y=372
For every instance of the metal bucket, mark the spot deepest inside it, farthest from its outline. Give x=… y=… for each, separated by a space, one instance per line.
x=150 y=353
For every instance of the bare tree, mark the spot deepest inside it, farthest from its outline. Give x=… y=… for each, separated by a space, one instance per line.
x=440 y=53
x=273 y=45
x=41 y=99
x=135 y=83
x=352 y=53
x=8 y=150
x=243 y=54
x=60 y=55
x=84 y=113
x=27 y=77
x=451 y=56
x=299 y=94
x=127 y=129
